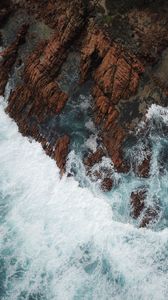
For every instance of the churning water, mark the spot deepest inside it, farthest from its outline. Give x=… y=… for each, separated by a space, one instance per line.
x=61 y=241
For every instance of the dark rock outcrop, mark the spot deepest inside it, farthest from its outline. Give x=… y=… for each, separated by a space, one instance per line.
x=150 y=28
x=9 y=56
x=5 y=11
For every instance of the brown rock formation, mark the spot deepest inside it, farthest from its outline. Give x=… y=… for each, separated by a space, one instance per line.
x=116 y=73
x=40 y=96
x=61 y=152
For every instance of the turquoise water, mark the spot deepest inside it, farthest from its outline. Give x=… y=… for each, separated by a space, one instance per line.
x=61 y=241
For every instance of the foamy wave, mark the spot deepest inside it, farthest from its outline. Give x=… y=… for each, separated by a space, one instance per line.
x=60 y=241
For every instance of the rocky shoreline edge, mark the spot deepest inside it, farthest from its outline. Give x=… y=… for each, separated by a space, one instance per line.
x=122 y=50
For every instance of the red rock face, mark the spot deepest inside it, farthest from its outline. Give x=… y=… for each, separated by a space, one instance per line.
x=117 y=72
x=61 y=152
x=116 y=76
x=40 y=96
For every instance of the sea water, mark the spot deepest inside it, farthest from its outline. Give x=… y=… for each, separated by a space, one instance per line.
x=59 y=240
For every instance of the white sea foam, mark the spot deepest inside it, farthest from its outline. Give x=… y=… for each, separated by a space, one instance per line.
x=158 y=112
x=59 y=241
x=91 y=142
x=90 y=125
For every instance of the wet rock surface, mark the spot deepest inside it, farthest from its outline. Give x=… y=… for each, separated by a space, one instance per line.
x=116 y=50
x=99 y=169
x=140 y=208
x=94 y=158
x=137 y=202
x=116 y=74
x=107 y=184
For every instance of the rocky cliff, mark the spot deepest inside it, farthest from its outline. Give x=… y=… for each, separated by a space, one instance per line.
x=121 y=50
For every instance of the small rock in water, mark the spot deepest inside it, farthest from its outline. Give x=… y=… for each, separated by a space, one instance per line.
x=137 y=202
x=94 y=158
x=143 y=168
x=140 y=209
x=107 y=184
